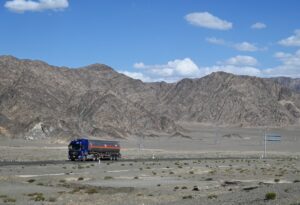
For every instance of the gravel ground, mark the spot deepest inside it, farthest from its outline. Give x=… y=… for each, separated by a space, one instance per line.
x=246 y=180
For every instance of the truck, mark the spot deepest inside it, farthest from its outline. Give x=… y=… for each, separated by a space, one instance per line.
x=86 y=149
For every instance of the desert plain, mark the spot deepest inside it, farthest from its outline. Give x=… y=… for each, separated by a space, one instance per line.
x=204 y=165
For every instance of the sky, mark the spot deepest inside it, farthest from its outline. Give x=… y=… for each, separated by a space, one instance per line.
x=157 y=40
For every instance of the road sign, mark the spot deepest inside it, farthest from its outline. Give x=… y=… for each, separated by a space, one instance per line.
x=273 y=137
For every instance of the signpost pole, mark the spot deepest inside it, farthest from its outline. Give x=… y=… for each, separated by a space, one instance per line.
x=265 y=150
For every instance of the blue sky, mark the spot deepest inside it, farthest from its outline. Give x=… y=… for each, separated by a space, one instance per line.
x=157 y=40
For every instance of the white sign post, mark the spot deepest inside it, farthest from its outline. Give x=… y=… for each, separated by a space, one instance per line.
x=270 y=138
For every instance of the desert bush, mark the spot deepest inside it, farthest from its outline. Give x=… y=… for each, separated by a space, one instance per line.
x=9 y=200
x=31 y=180
x=37 y=196
x=187 y=197
x=52 y=199
x=108 y=177
x=91 y=191
x=296 y=181
x=136 y=177
x=80 y=178
x=276 y=180
x=270 y=196
x=62 y=181
x=212 y=196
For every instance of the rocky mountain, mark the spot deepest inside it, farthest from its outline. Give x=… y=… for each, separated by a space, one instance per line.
x=291 y=83
x=37 y=99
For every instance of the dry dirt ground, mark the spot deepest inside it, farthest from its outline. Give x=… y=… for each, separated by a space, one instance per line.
x=225 y=167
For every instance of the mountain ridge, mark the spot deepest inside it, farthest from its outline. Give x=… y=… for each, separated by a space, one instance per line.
x=96 y=100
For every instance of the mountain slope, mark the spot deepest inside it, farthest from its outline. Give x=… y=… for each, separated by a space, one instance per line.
x=37 y=99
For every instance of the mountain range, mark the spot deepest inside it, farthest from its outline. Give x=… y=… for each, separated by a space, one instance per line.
x=40 y=100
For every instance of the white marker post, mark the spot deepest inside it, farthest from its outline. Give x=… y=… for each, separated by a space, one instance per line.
x=265 y=150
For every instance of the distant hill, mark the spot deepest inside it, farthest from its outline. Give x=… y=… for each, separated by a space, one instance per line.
x=40 y=100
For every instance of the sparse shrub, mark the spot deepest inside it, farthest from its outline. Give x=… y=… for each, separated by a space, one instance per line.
x=158 y=185
x=52 y=199
x=31 y=180
x=191 y=172
x=80 y=167
x=184 y=187
x=270 y=196
x=3 y=196
x=108 y=177
x=62 y=181
x=171 y=172
x=9 y=200
x=77 y=189
x=187 y=197
x=40 y=184
x=212 y=196
x=208 y=179
x=296 y=181
x=176 y=187
x=140 y=194
x=136 y=177
x=80 y=178
x=91 y=191
x=122 y=165
x=276 y=180
x=37 y=196
x=141 y=168
x=154 y=173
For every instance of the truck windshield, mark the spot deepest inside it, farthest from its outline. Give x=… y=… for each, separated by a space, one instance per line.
x=74 y=147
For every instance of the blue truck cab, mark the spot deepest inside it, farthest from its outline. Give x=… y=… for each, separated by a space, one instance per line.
x=78 y=149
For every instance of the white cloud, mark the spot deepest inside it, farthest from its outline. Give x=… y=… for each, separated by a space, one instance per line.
x=20 y=6
x=241 y=61
x=293 y=40
x=290 y=65
x=245 y=46
x=259 y=25
x=137 y=75
x=139 y=65
x=238 y=70
x=217 y=41
x=207 y=20
x=177 y=69
x=169 y=72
